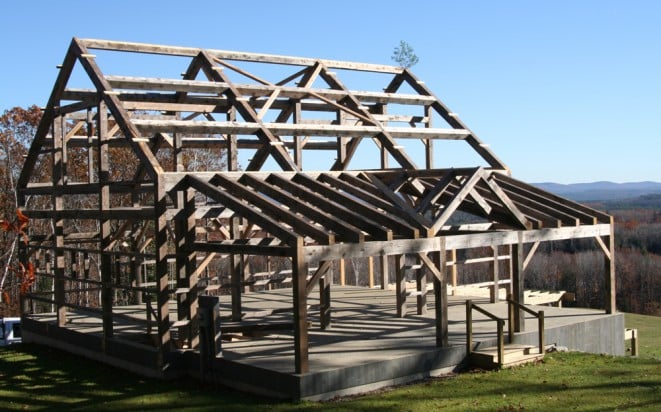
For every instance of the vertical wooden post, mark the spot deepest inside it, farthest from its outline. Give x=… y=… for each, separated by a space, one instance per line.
x=385 y=271
x=103 y=165
x=299 y=279
x=59 y=171
x=493 y=265
x=342 y=272
x=298 y=148
x=370 y=271
x=609 y=272
x=236 y=276
x=510 y=288
x=187 y=277
x=232 y=146
x=441 y=297
x=162 y=269
x=453 y=257
x=400 y=285
x=429 y=143
x=421 y=287
x=325 y=298
x=518 y=284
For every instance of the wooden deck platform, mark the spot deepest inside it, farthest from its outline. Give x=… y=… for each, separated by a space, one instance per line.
x=366 y=347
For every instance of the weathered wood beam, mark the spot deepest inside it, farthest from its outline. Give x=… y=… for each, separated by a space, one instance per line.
x=339 y=210
x=291 y=107
x=470 y=182
x=369 y=197
x=397 y=225
x=316 y=253
x=140 y=148
x=384 y=137
x=112 y=214
x=610 y=297
x=244 y=248
x=323 y=268
x=512 y=209
x=239 y=207
x=232 y=55
x=299 y=292
x=586 y=214
x=279 y=154
x=290 y=129
x=251 y=90
x=453 y=120
x=75 y=188
x=345 y=232
x=414 y=218
x=47 y=116
x=274 y=210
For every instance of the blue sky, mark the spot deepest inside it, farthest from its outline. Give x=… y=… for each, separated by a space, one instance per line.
x=563 y=91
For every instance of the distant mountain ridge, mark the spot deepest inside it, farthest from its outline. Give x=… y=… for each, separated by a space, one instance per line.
x=599 y=191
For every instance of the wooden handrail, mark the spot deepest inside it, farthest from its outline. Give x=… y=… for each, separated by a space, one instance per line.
x=469 y=330
x=511 y=304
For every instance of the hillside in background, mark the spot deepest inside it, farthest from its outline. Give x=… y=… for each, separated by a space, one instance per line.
x=602 y=191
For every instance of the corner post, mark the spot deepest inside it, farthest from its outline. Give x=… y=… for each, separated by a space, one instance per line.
x=59 y=177
x=441 y=296
x=103 y=165
x=299 y=280
x=609 y=272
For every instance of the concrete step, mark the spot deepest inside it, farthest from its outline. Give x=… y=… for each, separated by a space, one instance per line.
x=515 y=354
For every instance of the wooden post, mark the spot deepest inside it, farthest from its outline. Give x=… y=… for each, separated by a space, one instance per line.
x=325 y=300
x=187 y=278
x=236 y=276
x=298 y=147
x=429 y=143
x=59 y=171
x=232 y=146
x=299 y=280
x=421 y=288
x=453 y=257
x=609 y=272
x=385 y=271
x=496 y=275
x=103 y=164
x=370 y=271
x=342 y=272
x=517 y=285
x=400 y=285
x=441 y=297
x=162 y=270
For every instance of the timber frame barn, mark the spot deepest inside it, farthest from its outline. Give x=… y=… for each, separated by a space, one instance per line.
x=141 y=223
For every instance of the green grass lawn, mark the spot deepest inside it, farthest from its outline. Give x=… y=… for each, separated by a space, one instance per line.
x=38 y=378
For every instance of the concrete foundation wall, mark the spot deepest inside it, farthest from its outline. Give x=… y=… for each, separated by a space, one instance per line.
x=601 y=335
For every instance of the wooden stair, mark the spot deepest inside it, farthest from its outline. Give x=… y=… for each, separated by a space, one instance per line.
x=515 y=354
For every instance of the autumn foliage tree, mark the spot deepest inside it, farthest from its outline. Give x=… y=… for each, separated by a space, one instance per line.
x=17 y=128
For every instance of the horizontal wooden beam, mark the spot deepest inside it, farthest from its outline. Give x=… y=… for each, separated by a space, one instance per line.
x=123 y=213
x=287 y=129
x=239 y=248
x=85 y=188
x=252 y=90
x=97 y=44
x=315 y=254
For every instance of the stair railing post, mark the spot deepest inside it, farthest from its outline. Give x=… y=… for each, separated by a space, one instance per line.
x=501 y=343
x=469 y=327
